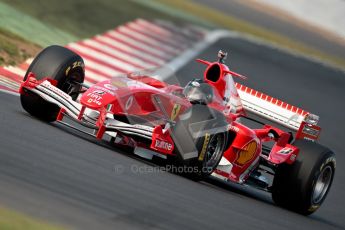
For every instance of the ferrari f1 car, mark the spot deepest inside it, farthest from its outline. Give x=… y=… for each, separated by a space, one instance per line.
x=201 y=126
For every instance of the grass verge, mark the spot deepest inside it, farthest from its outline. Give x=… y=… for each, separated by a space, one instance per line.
x=14 y=49
x=10 y=220
x=85 y=18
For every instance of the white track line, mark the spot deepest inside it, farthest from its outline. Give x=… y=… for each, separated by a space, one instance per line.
x=149 y=40
x=133 y=42
x=111 y=51
x=16 y=70
x=9 y=92
x=178 y=62
x=28 y=61
x=102 y=57
x=106 y=70
x=89 y=74
x=9 y=83
x=168 y=39
x=128 y=49
x=154 y=27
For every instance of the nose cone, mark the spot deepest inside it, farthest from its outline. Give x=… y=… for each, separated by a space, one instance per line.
x=95 y=98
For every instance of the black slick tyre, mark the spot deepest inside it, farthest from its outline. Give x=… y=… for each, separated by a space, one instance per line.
x=60 y=64
x=304 y=185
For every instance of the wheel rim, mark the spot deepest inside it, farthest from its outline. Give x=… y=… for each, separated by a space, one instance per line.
x=322 y=184
x=214 y=152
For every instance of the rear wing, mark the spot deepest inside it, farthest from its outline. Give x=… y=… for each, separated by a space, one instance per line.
x=280 y=112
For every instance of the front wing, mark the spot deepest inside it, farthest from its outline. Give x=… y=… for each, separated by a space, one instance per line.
x=102 y=121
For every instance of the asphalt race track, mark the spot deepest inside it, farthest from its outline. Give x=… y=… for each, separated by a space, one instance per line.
x=242 y=10
x=60 y=175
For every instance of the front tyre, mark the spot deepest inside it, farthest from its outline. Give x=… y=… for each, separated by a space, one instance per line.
x=60 y=64
x=304 y=185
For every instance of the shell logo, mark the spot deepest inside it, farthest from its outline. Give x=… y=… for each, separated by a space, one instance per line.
x=247 y=153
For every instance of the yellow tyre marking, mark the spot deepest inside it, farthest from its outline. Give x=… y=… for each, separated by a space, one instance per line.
x=204 y=147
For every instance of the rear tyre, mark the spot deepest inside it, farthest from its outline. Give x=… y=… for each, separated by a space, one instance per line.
x=60 y=64
x=304 y=185
x=209 y=145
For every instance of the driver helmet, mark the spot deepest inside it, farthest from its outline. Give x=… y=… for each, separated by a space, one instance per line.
x=198 y=91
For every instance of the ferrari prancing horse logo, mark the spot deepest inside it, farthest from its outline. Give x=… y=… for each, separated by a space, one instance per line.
x=175 y=111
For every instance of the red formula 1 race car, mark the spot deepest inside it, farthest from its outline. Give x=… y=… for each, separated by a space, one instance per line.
x=200 y=126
